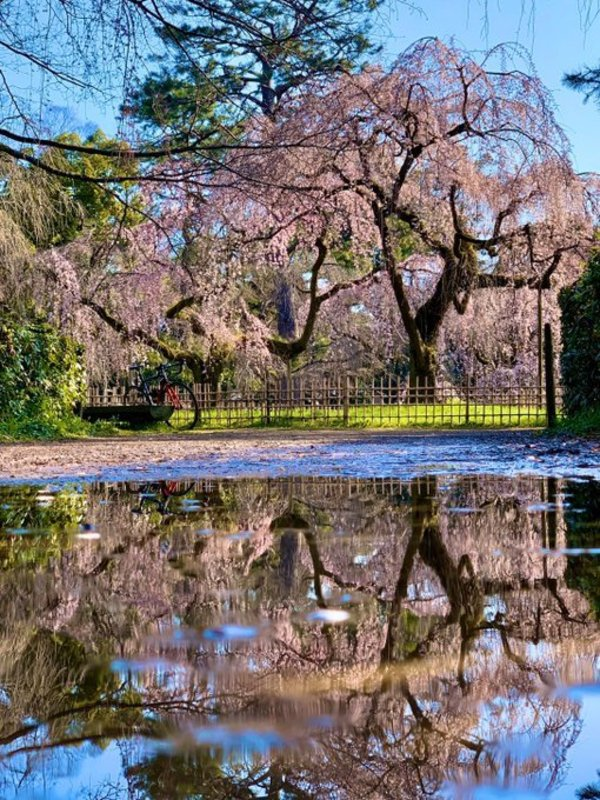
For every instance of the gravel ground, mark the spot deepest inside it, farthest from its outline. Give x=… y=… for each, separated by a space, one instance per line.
x=248 y=453
x=90 y=457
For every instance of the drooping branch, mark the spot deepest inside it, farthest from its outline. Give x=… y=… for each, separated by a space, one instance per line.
x=287 y=350
x=133 y=334
x=182 y=305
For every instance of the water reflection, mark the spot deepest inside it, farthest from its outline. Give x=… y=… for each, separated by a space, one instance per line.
x=297 y=638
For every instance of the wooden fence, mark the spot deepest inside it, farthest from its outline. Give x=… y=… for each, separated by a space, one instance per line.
x=353 y=402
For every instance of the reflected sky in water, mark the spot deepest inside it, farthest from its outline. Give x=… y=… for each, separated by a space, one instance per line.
x=300 y=638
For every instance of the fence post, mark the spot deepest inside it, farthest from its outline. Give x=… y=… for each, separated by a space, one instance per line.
x=549 y=369
x=468 y=400
x=346 y=399
x=197 y=389
x=267 y=402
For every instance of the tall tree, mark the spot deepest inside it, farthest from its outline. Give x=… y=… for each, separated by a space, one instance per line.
x=245 y=57
x=197 y=281
x=460 y=161
x=448 y=174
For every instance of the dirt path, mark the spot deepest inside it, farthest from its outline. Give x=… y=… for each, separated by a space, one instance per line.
x=277 y=453
x=88 y=457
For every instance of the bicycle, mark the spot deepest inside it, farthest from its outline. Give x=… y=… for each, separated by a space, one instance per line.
x=157 y=388
x=156 y=495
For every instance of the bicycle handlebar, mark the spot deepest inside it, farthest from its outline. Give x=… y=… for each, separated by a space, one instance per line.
x=174 y=367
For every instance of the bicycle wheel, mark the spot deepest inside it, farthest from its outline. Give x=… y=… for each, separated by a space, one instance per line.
x=185 y=406
x=138 y=405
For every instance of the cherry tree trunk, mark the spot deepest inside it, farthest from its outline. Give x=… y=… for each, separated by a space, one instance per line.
x=207 y=372
x=423 y=372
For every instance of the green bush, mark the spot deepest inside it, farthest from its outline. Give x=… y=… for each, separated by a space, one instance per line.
x=582 y=520
x=580 y=359
x=42 y=378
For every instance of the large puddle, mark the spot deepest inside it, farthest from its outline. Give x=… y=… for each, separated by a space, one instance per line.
x=299 y=638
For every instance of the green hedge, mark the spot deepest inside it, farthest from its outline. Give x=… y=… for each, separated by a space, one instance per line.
x=42 y=377
x=580 y=359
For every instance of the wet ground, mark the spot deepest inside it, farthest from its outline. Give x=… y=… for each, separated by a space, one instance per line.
x=366 y=617
x=358 y=453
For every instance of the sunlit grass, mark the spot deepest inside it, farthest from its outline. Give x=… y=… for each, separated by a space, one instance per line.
x=439 y=415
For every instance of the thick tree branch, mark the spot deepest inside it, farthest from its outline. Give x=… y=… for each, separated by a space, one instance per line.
x=133 y=334
x=181 y=305
x=289 y=349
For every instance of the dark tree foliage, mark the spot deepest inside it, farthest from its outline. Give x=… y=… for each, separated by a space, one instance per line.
x=590 y=792
x=580 y=359
x=284 y=304
x=586 y=81
x=232 y=57
x=583 y=528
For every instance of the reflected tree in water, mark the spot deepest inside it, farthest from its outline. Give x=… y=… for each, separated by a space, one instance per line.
x=199 y=639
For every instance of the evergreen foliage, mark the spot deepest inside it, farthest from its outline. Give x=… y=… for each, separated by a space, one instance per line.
x=583 y=528
x=580 y=359
x=224 y=61
x=586 y=81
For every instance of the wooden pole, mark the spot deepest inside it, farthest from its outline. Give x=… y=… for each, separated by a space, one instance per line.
x=267 y=401
x=550 y=384
x=346 y=399
x=541 y=344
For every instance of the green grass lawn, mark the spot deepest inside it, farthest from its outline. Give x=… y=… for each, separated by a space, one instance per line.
x=440 y=415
